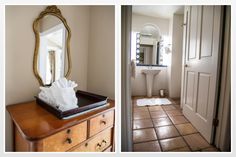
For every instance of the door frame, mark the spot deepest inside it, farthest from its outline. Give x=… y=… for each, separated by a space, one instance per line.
x=185 y=34
x=126 y=107
x=223 y=131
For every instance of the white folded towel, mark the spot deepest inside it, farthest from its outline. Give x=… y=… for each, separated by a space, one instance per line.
x=60 y=94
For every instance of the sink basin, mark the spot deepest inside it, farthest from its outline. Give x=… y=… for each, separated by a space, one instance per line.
x=150 y=74
x=150 y=71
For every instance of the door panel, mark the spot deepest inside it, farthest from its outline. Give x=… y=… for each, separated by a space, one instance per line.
x=207 y=31
x=190 y=89
x=203 y=95
x=202 y=56
x=193 y=32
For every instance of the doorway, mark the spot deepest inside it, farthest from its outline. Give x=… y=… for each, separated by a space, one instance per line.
x=175 y=126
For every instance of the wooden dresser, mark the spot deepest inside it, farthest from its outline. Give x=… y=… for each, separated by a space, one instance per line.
x=35 y=129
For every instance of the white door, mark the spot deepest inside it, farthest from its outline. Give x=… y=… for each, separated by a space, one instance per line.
x=202 y=53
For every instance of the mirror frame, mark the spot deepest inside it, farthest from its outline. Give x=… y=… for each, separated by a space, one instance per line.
x=54 y=11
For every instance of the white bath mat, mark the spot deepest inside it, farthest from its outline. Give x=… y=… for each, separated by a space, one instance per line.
x=153 y=101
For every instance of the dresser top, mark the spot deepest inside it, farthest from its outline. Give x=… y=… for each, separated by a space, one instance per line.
x=34 y=122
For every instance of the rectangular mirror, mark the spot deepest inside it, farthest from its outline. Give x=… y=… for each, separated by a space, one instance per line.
x=148 y=50
x=150 y=47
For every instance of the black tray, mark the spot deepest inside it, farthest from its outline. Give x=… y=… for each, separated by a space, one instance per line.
x=86 y=102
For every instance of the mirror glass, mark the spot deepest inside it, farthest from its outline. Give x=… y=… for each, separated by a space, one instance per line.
x=149 y=46
x=52 y=61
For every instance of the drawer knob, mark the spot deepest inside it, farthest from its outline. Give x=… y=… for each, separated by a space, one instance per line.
x=98 y=146
x=104 y=122
x=69 y=140
x=68 y=131
x=104 y=143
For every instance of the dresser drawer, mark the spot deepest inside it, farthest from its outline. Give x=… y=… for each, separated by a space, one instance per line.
x=98 y=143
x=66 y=139
x=101 y=122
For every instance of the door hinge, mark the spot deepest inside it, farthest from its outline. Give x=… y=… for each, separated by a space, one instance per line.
x=215 y=122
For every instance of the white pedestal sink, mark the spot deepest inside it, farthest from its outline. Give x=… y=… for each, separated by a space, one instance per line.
x=150 y=74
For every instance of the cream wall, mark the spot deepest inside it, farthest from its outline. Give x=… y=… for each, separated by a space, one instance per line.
x=170 y=55
x=101 y=59
x=176 y=56
x=138 y=21
x=21 y=84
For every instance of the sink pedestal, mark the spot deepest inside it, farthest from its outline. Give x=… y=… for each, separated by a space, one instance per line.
x=150 y=74
x=149 y=84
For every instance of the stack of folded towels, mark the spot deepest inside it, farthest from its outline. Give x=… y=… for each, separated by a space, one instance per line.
x=60 y=94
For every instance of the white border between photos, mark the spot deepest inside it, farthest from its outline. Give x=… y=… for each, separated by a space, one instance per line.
x=2 y=74
x=117 y=78
x=113 y=2
x=117 y=72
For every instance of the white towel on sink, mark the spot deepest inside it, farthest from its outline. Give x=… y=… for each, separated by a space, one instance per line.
x=60 y=95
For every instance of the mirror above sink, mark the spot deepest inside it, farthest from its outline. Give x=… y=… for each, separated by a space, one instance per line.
x=148 y=42
x=150 y=47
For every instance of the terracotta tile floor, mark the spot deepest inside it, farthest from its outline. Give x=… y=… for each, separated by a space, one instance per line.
x=165 y=128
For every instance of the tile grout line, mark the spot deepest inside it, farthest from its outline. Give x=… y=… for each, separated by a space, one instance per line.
x=142 y=128
x=168 y=116
x=154 y=127
x=179 y=133
x=147 y=141
x=189 y=134
x=155 y=131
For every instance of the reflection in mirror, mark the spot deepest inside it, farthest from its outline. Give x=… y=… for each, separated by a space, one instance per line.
x=51 y=62
x=52 y=46
x=150 y=49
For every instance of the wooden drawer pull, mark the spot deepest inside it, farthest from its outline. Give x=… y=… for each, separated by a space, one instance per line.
x=98 y=146
x=104 y=122
x=69 y=140
x=68 y=131
x=104 y=143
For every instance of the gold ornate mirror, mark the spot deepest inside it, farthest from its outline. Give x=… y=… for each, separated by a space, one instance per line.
x=52 y=46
